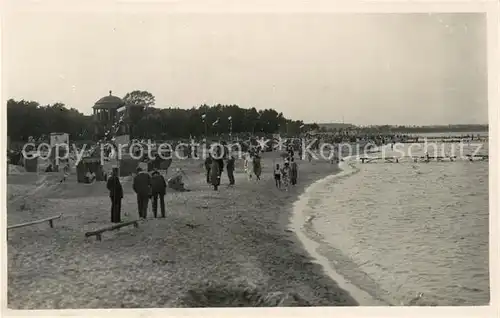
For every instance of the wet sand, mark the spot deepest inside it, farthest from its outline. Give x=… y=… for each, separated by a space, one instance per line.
x=227 y=248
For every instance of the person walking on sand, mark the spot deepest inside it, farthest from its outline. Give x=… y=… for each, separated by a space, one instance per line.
x=215 y=175
x=208 y=166
x=293 y=171
x=158 y=190
x=142 y=187
x=116 y=194
x=248 y=165
x=277 y=176
x=257 y=169
x=285 y=175
x=230 y=169
x=220 y=162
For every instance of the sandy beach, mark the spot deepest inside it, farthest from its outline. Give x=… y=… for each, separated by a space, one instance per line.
x=217 y=249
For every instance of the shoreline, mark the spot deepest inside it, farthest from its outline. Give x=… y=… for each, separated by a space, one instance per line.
x=298 y=221
x=212 y=250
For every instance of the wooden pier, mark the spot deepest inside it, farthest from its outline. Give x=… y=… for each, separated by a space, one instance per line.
x=386 y=159
x=423 y=158
x=444 y=139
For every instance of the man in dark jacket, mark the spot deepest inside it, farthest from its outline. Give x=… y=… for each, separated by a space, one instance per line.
x=220 y=161
x=116 y=194
x=142 y=187
x=230 y=169
x=159 y=188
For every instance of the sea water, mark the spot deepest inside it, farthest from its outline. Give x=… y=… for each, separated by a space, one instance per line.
x=406 y=233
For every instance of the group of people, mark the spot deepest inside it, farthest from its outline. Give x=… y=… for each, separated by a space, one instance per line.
x=146 y=186
x=287 y=174
x=253 y=165
x=153 y=186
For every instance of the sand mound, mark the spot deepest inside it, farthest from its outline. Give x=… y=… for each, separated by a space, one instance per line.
x=13 y=169
x=240 y=295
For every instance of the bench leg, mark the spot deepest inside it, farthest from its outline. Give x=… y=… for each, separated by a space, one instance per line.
x=98 y=237
x=136 y=225
x=51 y=223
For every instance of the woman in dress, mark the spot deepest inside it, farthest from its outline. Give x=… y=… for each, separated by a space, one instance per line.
x=215 y=174
x=285 y=175
x=248 y=166
x=257 y=169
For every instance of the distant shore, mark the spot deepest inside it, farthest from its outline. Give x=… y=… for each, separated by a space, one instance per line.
x=226 y=248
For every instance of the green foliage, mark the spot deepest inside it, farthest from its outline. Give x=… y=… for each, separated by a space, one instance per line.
x=29 y=118
x=141 y=98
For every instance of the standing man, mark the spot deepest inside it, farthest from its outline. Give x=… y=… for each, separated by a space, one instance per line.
x=230 y=169
x=293 y=171
x=159 y=188
x=116 y=194
x=142 y=187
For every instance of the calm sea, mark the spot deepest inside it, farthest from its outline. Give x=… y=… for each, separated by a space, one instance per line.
x=407 y=233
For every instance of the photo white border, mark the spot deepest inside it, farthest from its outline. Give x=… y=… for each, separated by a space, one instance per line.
x=274 y=6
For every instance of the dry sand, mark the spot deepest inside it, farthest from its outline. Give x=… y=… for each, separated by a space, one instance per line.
x=226 y=248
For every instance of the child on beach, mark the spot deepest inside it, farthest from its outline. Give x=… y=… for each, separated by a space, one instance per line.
x=277 y=176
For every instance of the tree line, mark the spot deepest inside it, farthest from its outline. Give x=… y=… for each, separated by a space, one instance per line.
x=400 y=129
x=30 y=119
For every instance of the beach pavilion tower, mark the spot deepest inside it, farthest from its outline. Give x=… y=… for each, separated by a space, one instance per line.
x=106 y=113
x=109 y=109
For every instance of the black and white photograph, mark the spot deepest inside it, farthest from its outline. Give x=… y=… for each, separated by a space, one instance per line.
x=167 y=158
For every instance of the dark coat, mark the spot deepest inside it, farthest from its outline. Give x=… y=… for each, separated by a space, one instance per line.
x=115 y=187
x=158 y=184
x=293 y=170
x=215 y=173
x=221 y=165
x=208 y=163
x=230 y=164
x=142 y=184
x=257 y=169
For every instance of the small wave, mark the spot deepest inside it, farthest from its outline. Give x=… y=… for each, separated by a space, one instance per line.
x=303 y=225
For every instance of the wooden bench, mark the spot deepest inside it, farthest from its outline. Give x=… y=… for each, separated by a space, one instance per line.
x=98 y=233
x=50 y=220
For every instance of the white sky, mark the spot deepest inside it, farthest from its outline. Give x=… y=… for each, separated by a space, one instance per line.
x=363 y=68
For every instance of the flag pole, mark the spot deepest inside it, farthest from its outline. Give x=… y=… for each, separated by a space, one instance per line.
x=204 y=119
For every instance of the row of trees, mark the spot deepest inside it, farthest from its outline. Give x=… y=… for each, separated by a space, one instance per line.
x=214 y=120
x=29 y=118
